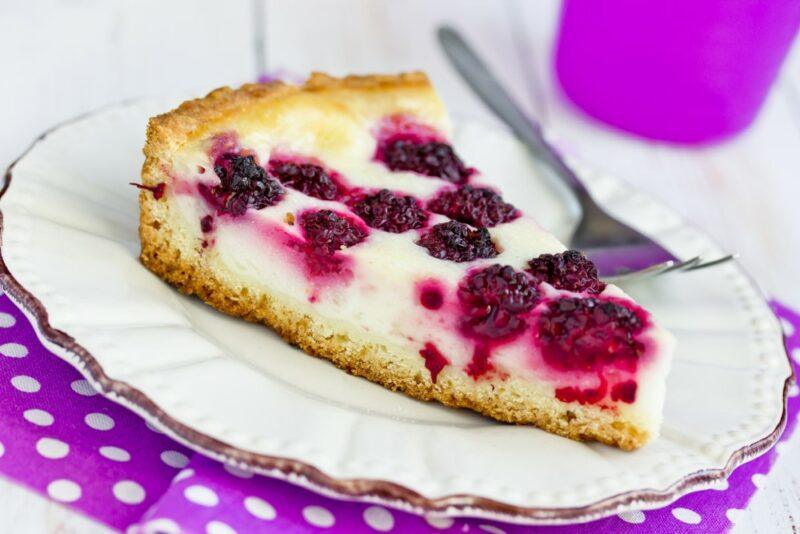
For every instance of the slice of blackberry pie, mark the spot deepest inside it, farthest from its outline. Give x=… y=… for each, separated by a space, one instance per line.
x=338 y=213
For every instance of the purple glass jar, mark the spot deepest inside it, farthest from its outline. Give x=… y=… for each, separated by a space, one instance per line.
x=687 y=71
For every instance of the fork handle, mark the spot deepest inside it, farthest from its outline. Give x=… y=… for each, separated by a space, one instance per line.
x=475 y=72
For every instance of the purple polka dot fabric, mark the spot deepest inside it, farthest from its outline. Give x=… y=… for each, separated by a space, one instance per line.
x=60 y=438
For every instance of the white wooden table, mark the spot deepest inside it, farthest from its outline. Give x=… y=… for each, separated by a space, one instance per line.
x=63 y=58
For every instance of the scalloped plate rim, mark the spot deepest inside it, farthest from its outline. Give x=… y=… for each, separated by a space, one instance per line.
x=366 y=490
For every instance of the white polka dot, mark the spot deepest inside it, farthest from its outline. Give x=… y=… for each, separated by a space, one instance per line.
x=13 y=350
x=64 y=490
x=115 y=453
x=128 y=492
x=7 y=320
x=734 y=515
x=83 y=387
x=721 y=485
x=634 y=517
x=174 y=459
x=379 y=518
x=318 y=516
x=793 y=390
x=99 y=421
x=759 y=480
x=796 y=354
x=781 y=447
x=201 y=495
x=218 y=527
x=153 y=428
x=26 y=384
x=161 y=525
x=238 y=471
x=440 y=523
x=684 y=515
x=2 y=449
x=52 y=448
x=491 y=529
x=259 y=508
x=186 y=473
x=788 y=328
x=38 y=417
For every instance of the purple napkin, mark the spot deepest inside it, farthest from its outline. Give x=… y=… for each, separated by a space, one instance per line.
x=59 y=438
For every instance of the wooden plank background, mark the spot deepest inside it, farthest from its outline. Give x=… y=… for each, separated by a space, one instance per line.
x=63 y=58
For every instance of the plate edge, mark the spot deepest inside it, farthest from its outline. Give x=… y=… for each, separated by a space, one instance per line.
x=306 y=475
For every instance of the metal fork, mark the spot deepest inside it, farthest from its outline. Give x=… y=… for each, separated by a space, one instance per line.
x=619 y=251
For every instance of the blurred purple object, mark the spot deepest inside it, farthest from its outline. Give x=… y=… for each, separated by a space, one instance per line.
x=280 y=75
x=687 y=71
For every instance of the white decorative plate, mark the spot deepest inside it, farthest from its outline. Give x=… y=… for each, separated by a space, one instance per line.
x=236 y=392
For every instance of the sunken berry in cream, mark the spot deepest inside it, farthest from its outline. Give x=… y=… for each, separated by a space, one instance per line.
x=243 y=184
x=390 y=212
x=457 y=242
x=478 y=206
x=569 y=270
x=307 y=178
